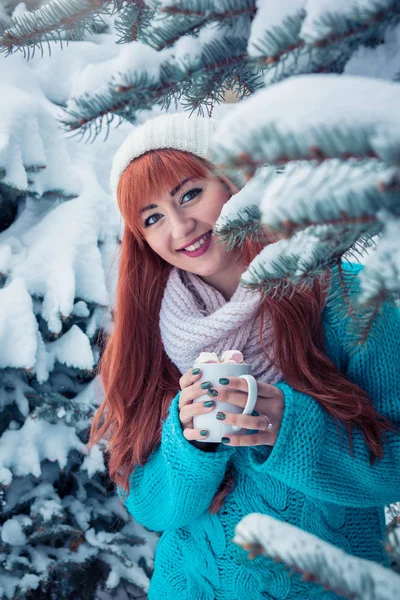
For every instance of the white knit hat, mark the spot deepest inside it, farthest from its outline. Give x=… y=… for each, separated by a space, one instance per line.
x=172 y=130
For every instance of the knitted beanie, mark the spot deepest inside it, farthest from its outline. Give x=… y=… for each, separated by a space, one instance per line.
x=172 y=130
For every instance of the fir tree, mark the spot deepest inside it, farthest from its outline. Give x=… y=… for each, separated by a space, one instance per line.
x=64 y=533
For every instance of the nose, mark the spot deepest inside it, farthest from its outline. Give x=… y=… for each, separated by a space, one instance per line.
x=181 y=227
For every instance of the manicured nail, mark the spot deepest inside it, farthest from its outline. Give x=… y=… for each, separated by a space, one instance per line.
x=209 y=403
x=220 y=416
x=195 y=371
x=255 y=414
x=204 y=432
x=224 y=381
x=212 y=393
x=225 y=440
x=205 y=385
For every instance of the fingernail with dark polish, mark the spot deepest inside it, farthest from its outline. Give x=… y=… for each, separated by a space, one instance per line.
x=204 y=432
x=209 y=403
x=205 y=385
x=220 y=416
x=225 y=440
x=255 y=414
x=195 y=371
x=224 y=381
x=212 y=393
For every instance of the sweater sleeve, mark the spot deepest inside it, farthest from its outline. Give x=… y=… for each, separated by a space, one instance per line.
x=310 y=456
x=178 y=482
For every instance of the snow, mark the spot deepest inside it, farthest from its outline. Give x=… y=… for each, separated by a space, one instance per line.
x=249 y=195
x=382 y=266
x=324 y=18
x=306 y=192
x=30 y=138
x=18 y=327
x=98 y=75
x=381 y=62
x=12 y=530
x=323 y=562
x=23 y=451
x=327 y=108
x=271 y=18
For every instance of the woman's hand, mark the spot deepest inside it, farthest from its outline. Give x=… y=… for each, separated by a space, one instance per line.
x=270 y=402
x=191 y=390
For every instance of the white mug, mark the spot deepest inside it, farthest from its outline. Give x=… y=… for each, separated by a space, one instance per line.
x=212 y=372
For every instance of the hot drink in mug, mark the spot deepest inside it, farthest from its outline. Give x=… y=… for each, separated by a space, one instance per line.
x=212 y=372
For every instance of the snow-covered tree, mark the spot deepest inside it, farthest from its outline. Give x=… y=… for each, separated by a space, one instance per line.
x=64 y=533
x=315 y=133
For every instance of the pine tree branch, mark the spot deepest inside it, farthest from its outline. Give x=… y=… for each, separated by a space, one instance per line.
x=192 y=79
x=48 y=22
x=333 y=192
x=325 y=121
x=285 y=265
x=223 y=10
x=318 y=561
x=285 y=49
x=134 y=18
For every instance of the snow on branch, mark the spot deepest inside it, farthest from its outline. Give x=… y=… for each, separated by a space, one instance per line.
x=333 y=192
x=240 y=216
x=315 y=559
x=287 y=264
x=220 y=10
x=132 y=21
x=196 y=71
x=312 y=117
x=326 y=20
x=32 y=148
x=48 y=22
x=276 y=28
x=293 y=37
x=380 y=279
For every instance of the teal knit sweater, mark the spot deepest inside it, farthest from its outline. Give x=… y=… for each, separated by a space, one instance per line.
x=307 y=479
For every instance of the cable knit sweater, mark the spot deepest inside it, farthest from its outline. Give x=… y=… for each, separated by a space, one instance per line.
x=308 y=479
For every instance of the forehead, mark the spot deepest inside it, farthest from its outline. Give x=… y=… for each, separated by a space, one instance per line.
x=159 y=186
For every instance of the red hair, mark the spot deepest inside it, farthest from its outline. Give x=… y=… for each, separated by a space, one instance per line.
x=136 y=401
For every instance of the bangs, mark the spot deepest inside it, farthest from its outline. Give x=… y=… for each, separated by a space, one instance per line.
x=150 y=174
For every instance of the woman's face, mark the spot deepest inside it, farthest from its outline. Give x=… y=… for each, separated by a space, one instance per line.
x=188 y=212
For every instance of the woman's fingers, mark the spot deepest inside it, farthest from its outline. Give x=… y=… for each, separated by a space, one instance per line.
x=244 y=421
x=264 y=390
x=188 y=411
x=189 y=378
x=193 y=391
x=195 y=434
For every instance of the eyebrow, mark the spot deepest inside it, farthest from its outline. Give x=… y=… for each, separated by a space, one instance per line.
x=172 y=193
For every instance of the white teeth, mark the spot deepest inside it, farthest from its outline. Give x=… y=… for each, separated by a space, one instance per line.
x=197 y=244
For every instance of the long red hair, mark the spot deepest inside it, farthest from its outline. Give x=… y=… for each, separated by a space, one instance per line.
x=138 y=378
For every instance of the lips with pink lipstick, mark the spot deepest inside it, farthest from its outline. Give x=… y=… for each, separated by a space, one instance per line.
x=199 y=246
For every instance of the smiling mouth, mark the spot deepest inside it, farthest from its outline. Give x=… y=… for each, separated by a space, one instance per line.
x=197 y=244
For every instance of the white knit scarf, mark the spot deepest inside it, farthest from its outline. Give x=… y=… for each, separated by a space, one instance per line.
x=195 y=317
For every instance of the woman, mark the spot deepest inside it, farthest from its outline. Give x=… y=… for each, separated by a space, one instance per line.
x=178 y=294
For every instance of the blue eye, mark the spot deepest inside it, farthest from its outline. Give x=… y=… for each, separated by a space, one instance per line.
x=192 y=193
x=147 y=221
x=195 y=191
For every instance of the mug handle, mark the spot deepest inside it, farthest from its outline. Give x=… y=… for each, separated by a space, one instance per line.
x=251 y=398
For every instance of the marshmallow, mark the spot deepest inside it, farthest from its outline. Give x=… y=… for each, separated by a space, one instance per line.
x=207 y=357
x=232 y=356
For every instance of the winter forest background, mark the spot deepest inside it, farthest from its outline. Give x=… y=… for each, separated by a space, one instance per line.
x=308 y=95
